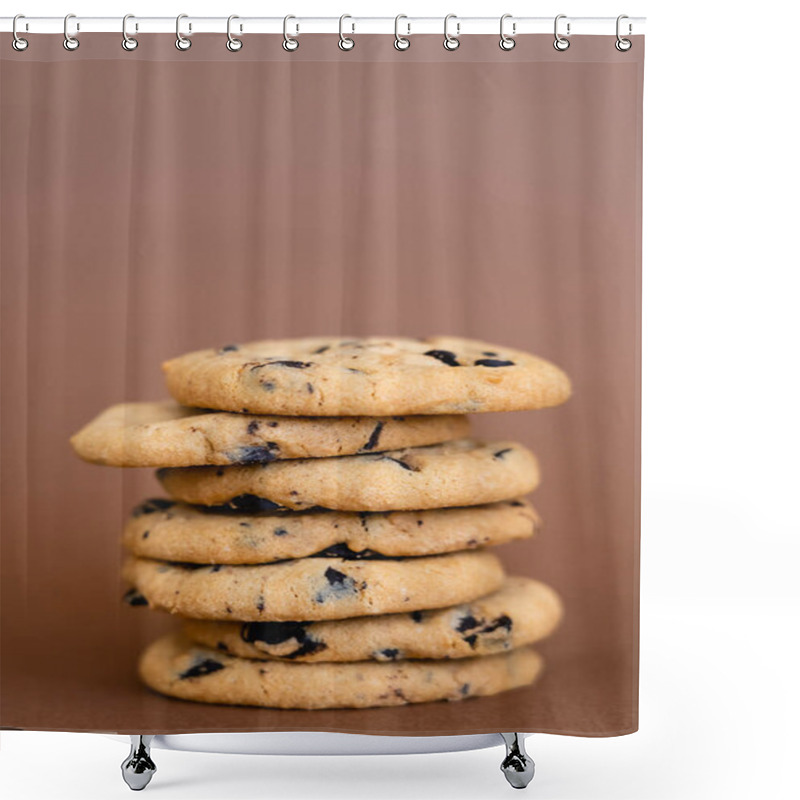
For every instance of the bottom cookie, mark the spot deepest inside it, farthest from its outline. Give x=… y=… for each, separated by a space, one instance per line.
x=174 y=666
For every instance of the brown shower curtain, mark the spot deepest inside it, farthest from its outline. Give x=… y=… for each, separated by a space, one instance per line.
x=156 y=202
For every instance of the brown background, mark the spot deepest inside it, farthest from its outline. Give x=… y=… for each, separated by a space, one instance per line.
x=156 y=201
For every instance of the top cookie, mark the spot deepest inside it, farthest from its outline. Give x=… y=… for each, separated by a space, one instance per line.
x=372 y=376
x=169 y=435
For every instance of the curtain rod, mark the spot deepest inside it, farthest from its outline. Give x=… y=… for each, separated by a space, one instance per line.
x=567 y=25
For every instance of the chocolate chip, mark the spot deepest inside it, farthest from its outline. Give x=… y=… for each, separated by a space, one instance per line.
x=309 y=388
x=420 y=522
x=244 y=525
x=222 y=646
x=134 y=598
x=291 y=364
x=490 y=353
x=501 y=453
x=416 y=616
x=152 y=505
x=402 y=463
x=220 y=472
x=249 y=504
x=204 y=667
x=493 y=362
x=256 y=454
x=321 y=349
x=260 y=602
x=268 y=386
x=467 y=623
x=516 y=503
x=272 y=424
x=445 y=356
x=145 y=534
x=252 y=427
x=216 y=568
x=280 y=532
x=503 y=621
x=373 y=437
x=470 y=640
x=334 y=577
x=342 y=550
x=273 y=633
x=464 y=689
x=389 y=654
x=229 y=348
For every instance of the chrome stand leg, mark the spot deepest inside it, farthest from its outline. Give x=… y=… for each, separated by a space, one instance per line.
x=138 y=768
x=517 y=766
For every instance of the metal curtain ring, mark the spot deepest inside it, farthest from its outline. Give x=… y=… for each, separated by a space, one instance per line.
x=70 y=42
x=345 y=42
x=17 y=42
x=623 y=45
x=233 y=44
x=181 y=42
x=506 y=41
x=451 y=42
x=290 y=43
x=560 y=42
x=128 y=42
x=401 y=42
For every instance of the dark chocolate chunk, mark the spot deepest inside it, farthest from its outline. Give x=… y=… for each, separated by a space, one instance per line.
x=291 y=364
x=204 y=667
x=501 y=453
x=222 y=646
x=471 y=639
x=503 y=621
x=389 y=654
x=334 y=577
x=467 y=623
x=445 y=356
x=135 y=598
x=403 y=464
x=321 y=349
x=260 y=602
x=229 y=348
x=373 y=437
x=216 y=568
x=416 y=616
x=280 y=532
x=256 y=454
x=273 y=633
x=465 y=689
x=145 y=534
x=152 y=505
x=249 y=504
x=343 y=550
x=252 y=426
x=493 y=362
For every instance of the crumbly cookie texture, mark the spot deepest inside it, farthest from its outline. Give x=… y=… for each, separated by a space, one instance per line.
x=174 y=666
x=313 y=588
x=171 y=531
x=460 y=473
x=370 y=376
x=521 y=612
x=169 y=435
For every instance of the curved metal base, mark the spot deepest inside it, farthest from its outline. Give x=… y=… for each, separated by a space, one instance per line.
x=517 y=766
x=138 y=768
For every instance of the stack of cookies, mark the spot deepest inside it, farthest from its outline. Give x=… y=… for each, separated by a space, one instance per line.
x=327 y=539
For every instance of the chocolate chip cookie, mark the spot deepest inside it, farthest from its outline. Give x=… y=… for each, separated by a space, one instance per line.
x=371 y=376
x=459 y=473
x=168 y=435
x=174 y=666
x=521 y=612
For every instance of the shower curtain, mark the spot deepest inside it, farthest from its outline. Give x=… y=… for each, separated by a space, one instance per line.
x=158 y=201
